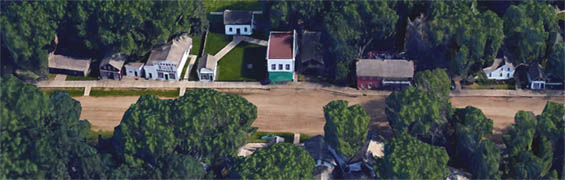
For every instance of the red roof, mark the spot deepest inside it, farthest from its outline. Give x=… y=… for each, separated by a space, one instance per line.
x=280 y=45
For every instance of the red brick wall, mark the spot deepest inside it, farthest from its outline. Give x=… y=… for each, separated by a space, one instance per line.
x=364 y=81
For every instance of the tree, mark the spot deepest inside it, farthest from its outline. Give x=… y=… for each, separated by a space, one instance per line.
x=279 y=161
x=205 y=124
x=556 y=62
x=182 y=167
x=27 y=28
x=414 y=112
x=456 y=36
x=346 y=127
x=292 y=14
x=405 y=157
x=530 y=30
x=435 y=82
x=41 y=136
x=486 y=161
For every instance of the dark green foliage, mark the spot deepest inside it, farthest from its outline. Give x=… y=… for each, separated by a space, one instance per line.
x=405 y=157
x=346 y=127
x=279 y=161
x=530 y=31
x=486 y=161
x=456 y=36
x=535 y=144
x=556 y=62
x=435 y=82
x=42 y=136
x=182 y=167
x=203 y=123
x=414 y=112
x=27 y=28
x=286 y=14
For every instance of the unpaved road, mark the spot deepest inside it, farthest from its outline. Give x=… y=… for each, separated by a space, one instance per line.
x=295 y=110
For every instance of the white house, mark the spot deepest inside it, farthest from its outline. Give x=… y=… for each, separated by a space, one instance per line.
x=500 y=72
x=134 y=69
x=207 y=68
x=238 y=22
x=281 y=54
x=167 y=61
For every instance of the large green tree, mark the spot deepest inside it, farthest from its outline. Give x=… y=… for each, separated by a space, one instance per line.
x=279 y=161
x=406 y=157
x=530 y=31
x=454 y=35
x=42 y=137
x=415 y=112
x=27 y=28
x=435 y=82
x=288 y=14
x=205 y=124
x=346 y=127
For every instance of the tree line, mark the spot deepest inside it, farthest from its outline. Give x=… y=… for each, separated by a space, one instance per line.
x=197 y=136
x=32 y=29
x=460 y=36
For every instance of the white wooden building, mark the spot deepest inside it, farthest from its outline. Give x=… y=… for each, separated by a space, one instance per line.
x=500 y=70
x=238 y=22
x=281 y=54
x=207 y=68
x=134 y=69
x=167 y=61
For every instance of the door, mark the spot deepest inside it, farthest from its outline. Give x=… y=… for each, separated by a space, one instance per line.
x=135 y=73
x=166 y=76
x=238 y=31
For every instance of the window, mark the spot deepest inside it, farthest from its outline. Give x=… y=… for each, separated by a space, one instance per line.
x=231 y=29
x=172 y=77
x=508 y=69
x=500 y=74
x=245 y=29
x=280 y=66
x=489 y=74
x=507 y=74
x=287 y=67
x=160 y=75
x=273 y=67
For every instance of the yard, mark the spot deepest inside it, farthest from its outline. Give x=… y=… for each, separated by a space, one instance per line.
x=221 y=5
x=73 y=92
x=234 y=66
x=196 y=44
x=99 y=92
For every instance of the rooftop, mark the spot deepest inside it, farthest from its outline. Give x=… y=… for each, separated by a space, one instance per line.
x=234 y=17
x=280 y=45
x=207 y=61
x=309 y=47
x=65 y=62
x=117 y=60
x=170 y=52
x=388 y=68
x=135 y=64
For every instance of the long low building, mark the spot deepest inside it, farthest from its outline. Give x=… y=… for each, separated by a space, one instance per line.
x=59 y=64
x=380 y=74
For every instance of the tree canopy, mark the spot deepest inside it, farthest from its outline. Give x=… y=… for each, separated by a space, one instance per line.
x=42 y=136
x=406 y=157
x=530 y=31
x=346 y=127
x=205 y=124
x=454 y=35
x=279 y=161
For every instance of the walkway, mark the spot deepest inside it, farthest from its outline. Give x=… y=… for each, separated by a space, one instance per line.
x=236 y=40
x=60 y=77
x=253 y=40
x=190 y=65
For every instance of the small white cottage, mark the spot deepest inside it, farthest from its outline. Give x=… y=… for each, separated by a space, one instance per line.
x=134 y=69
x=238 y=22
x=207 y=68
x=501 y=69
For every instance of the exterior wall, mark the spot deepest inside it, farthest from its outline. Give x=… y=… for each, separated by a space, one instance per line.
x=283 y=62
x=130 y=71
x=109 y=72
x=537 y=85
x=365 y=82
x=182 y=63
x=241 y=28
x=502 y=73
x=167 y=69
x=203 y=72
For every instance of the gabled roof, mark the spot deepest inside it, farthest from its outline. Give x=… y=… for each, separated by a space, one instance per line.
x=280 y=45
x=309 y=47
x=171 y=52
x=497 y=63
x=388 y=68
x=116 y=60
x=68 y=63
x=135 y=64
x=235 y=17
x=207 y=61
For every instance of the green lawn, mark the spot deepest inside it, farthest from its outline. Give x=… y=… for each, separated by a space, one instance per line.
x=221 y=5
x=80 y=78
x=97 y=92
x=490 y=86
x=92 y=136
x=288 y=137
x=51 y=77
x=73 y=92
x=215 y=42
x=233 y=66
x=196 y=44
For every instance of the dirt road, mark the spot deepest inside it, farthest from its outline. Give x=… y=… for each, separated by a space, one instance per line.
x=294 y=110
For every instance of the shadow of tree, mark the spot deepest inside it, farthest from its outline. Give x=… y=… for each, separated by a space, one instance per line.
x=378 y=123
x=256 y=57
